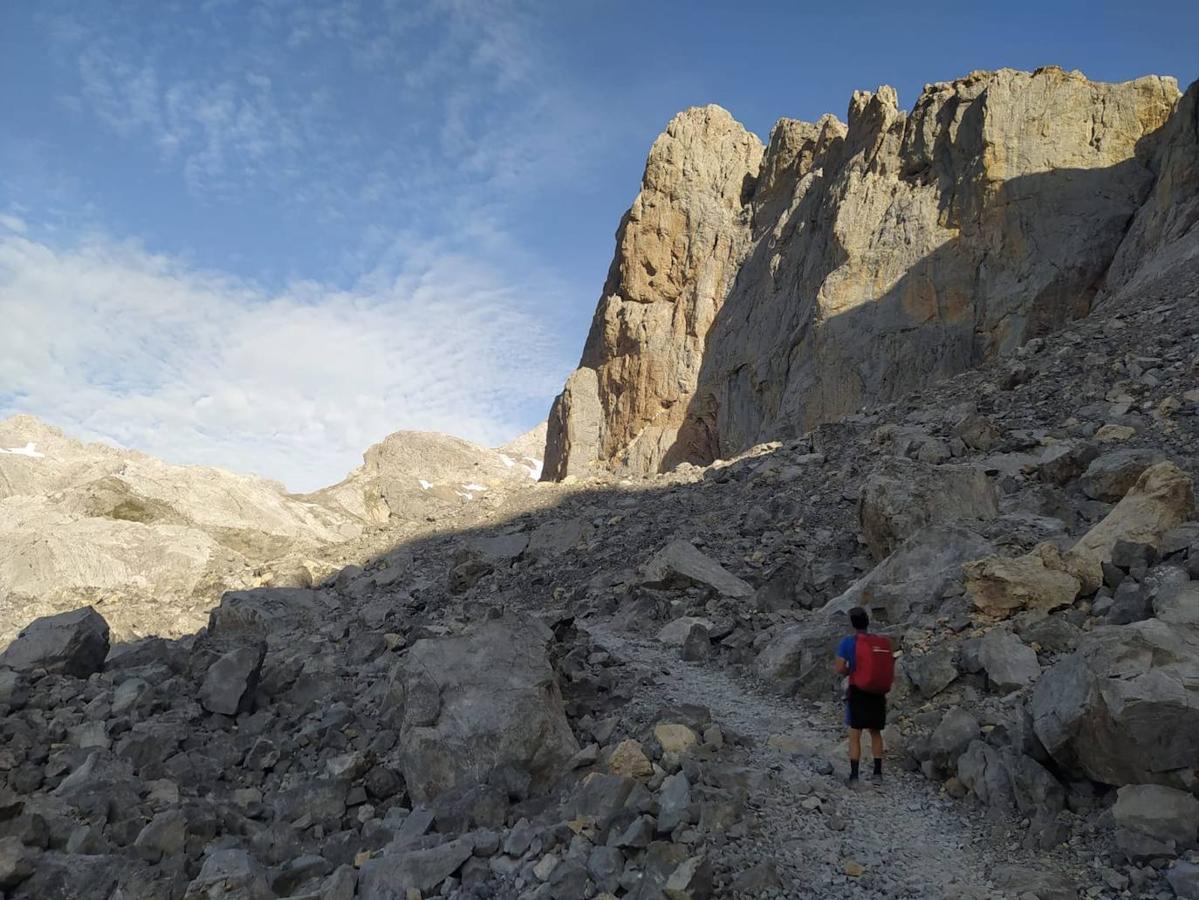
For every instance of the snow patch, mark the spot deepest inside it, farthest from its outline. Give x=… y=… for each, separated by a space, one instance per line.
x=29 y=450
x=465 y=496
x=508 y=461
x=534 y=466
x=425 y=485
x=474 y=487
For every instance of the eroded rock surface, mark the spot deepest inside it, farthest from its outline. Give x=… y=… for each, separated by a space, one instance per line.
x=850 y=264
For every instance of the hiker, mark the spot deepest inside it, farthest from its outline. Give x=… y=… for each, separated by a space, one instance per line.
x=870 y=664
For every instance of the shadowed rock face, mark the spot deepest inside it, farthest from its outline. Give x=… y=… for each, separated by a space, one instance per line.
x=857 y=263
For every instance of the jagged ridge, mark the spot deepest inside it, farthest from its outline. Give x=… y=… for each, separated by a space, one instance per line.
x=756 y=293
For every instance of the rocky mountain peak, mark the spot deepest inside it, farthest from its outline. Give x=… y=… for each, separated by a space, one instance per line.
x=756 y=293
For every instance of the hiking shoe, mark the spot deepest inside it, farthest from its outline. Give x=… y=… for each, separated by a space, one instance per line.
x=854 y=784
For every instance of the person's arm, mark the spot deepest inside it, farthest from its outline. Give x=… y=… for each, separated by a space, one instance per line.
x=840 y=661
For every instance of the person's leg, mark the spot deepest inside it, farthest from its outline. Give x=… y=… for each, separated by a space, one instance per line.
x=876 y=750
x=855 y=751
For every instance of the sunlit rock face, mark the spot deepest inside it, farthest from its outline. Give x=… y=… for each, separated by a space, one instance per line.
x=154 y=545
x=757 y=293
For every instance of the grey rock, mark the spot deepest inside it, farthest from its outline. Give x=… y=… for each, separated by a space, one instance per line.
x=480 y=701
x=981 y=769
x=697 y=646
x=70 y=643
x=605 y=865
x=1010 y=664
x=79 y=877
x=1064 y=461
x=17 y=862
x=692 y=880
x=1184 y=879
x=955 y=732
x=680 y=564
x=502 y=549
x=930 y=672
x=389 y=877
x=676 y=631
x=902 y=496
x=915 y=577
x=230 y=875
x=246 y=615
x=164 y=835
x=636 y=835
x=1129 y=604
x=799 y=656
x=758 y=879
x=1162 y=813
x=1109 y=476
x=557 y=537
x=569 y=880
x=674 y=803
x=1124 y=707
x=230 y=682
x=1178 y=604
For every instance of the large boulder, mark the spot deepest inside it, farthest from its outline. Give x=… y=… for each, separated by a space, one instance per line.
x=1178 y=603
x=480 y=701
x=70 y=643
x=402 y=871
x=680 y=564
x=1039 y=580
x=800 y=658
x=229 y=683
x=1124 y=707
x=1010 y=664
x=1110 y=476
x=1006 y=778
x=901 y=496
x=915 y=576
x=267 y=613
x=230 y=875
x=1160 y=500
x=1162 y=813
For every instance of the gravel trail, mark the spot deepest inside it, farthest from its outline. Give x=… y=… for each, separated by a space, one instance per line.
x=909 y=839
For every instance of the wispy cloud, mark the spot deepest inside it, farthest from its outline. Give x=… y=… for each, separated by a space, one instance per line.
x=457 y=94
x=109 y=341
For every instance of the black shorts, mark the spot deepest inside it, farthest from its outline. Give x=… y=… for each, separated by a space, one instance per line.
x=863 y=710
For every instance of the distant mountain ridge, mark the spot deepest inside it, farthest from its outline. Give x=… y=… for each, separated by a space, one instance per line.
x=154 y=544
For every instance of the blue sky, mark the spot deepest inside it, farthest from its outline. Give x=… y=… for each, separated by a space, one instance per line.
x=263 y=234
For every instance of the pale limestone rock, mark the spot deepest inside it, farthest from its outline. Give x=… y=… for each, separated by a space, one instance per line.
x=678 y=249
x=1039 y=580
x=629 y=760
x=855 y=263
x=675 y=739
x=1161 y=499
x=1160 y=255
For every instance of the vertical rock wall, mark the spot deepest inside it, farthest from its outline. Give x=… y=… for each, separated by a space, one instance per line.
x=755 y=294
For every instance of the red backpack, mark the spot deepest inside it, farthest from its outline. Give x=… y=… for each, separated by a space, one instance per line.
x=873 y=664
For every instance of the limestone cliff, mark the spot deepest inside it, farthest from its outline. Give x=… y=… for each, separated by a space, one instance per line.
x=678 y=249
x=1160 y=255
x=755 y=294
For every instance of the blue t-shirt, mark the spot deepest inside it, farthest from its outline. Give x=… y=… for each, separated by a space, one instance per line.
x=846 y=649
